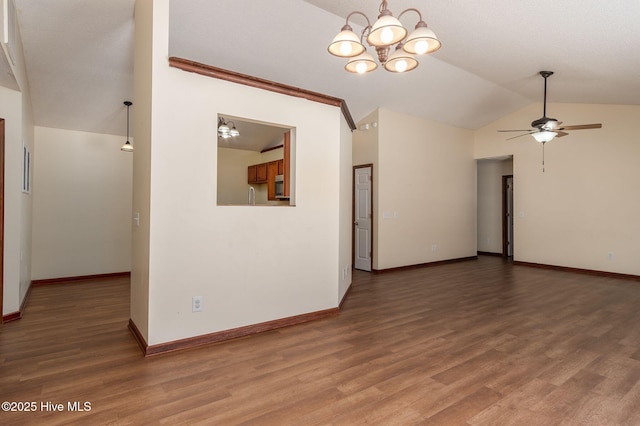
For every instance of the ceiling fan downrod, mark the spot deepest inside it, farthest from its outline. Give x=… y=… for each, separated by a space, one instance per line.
x=545 y=75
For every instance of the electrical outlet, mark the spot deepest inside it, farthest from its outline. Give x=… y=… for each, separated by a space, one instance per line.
x=196 y=304
x=610 y=256
x=434 y=247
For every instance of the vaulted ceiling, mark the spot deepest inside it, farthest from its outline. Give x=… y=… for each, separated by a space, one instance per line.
x=79 y=54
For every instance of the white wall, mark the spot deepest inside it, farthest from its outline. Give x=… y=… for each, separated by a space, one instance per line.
x=250 y=265
x=585 y=204
x=82 y=204
x=426 y=191
x=15 y=108
x=490 y=174
x=11 y=111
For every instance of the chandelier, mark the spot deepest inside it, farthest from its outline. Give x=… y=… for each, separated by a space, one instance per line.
x=224 y=131
x=386 y=32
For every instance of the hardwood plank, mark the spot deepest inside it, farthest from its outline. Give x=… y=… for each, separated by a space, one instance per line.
x=481 y=342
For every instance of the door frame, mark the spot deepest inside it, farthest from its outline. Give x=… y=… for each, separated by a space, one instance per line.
x=505 y=220
x=353 y=213
x=2 y=155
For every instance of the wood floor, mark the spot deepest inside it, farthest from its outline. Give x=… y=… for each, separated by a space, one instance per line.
x=481 y=342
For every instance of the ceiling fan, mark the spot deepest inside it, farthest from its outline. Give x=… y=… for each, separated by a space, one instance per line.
x=545 y=128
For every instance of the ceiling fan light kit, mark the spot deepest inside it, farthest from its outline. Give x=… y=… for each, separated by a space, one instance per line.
x=386 y=32
x=545 y=129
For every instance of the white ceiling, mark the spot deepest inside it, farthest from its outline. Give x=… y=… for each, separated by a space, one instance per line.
x=79 y=54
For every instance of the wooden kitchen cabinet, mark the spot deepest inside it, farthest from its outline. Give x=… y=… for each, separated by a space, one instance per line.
x=272 y=171
x=257 y=173
x=286 y=167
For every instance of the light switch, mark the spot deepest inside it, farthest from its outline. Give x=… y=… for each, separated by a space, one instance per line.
x=386 y=215
x=136 y=219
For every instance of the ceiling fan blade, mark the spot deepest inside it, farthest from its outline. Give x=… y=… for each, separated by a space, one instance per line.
x=582 y=127
x=561 y=134
x=524 y=134
x=528 y=130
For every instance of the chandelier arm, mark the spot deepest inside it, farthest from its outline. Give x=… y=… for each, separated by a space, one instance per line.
x=411 y=9
x=359 y=13
x=383 y=6
x=366 y=30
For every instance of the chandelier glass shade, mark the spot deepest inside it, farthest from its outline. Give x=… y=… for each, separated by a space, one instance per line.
x=224 y=131
x=544 y=136
x=384 y=34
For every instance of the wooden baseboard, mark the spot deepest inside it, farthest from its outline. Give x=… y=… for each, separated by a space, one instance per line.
x=138 y=336
x=49 y=281
x=426 y=265
x=344 y=298
x=221 y=336
x=579 y=270
x=490 y=253
x=13 y=316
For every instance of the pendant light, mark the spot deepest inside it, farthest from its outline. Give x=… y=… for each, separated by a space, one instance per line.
x=127 y=147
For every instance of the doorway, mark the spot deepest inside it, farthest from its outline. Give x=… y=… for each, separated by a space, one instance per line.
x=507 y=216
x=362 y=216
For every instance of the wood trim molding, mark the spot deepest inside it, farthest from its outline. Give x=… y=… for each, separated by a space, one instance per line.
x=426 y=265
x=272 y=86
x=13 y=316
x=49 y=281
x=137 y=335
x=272 y=148
x=221 y=336
x=346 y=293
x=579 y=270
x=489 y=253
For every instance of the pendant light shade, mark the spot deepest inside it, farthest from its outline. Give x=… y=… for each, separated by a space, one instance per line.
x=346 y=44
x=361 y=64
x=400 y=61
x=127 y=147
x=422 y=40
x=386 y=31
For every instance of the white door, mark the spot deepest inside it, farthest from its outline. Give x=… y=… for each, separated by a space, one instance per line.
x=362 y=218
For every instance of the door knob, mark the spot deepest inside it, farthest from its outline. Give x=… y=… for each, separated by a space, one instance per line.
x=355 y=222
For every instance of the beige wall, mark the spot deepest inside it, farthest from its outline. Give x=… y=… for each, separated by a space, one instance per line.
x=490 y=173
x=586 y=203
x=82 y=204
x=232 y=166
x=250 y=265
x=346 y=197
x=149 y=50
x=425 y=193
